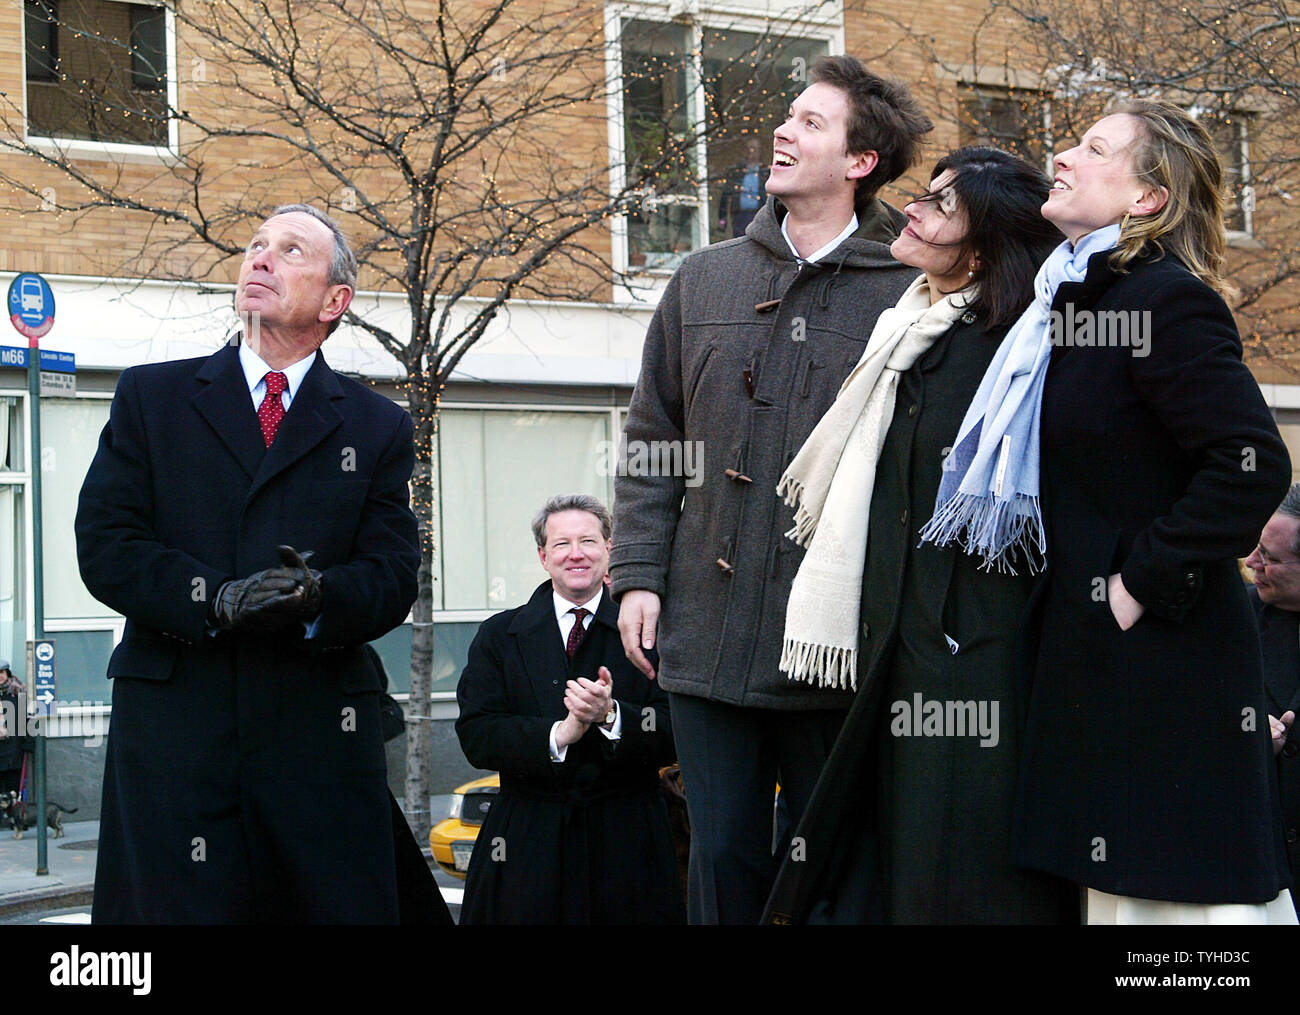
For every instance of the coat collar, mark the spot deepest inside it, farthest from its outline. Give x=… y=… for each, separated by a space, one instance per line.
x=1100 y=276
x=537 y=637
x=223 y=401
x=878 y=226
x=540 y=609
x=1278 y=631
x=969 y=326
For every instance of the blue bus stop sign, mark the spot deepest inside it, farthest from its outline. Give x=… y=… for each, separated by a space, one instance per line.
x=31 y=305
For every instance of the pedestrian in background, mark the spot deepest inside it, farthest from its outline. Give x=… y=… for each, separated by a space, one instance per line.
x=14 y=749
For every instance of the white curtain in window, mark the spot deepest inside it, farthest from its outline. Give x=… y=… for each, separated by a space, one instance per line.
x=11 y=444
x=13 y=599
x=70 y=431
x=497 y=468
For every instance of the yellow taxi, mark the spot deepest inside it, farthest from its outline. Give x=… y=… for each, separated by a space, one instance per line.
x=452 y=839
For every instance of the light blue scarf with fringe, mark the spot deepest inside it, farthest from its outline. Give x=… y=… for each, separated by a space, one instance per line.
x=988 y=496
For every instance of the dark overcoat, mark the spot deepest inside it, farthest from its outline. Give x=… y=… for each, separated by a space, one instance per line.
x=915 y=829
x=1279 y=639
x=245 y=775
x=585 y=840
x=1147 y=767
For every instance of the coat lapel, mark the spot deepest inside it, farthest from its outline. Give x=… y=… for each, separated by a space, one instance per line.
x=1278 y=638
x=223 y=401
x=310 y=419
x=537 y=637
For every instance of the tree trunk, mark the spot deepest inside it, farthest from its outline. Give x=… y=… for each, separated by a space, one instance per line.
x=419 y=733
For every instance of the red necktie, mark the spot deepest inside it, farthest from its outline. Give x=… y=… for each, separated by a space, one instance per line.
x=272 y=409
x=578 y=633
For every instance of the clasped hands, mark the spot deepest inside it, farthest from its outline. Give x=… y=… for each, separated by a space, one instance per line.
x=270 y=599
x=588 y=702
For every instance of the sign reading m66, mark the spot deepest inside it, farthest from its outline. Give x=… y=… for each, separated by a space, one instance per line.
x=31 y=305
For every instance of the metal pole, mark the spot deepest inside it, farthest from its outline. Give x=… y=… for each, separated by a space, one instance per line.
x=38 y=585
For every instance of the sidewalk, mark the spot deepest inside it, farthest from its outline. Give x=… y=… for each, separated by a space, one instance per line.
x=71 y=862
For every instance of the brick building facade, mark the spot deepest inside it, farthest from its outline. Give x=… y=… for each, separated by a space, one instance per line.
x=537 y=403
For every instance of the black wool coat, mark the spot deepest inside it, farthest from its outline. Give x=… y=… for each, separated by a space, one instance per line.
x=245 y=776
x=581 y=841
x=916 y=829
x=1279 y=639
x=1146 y=764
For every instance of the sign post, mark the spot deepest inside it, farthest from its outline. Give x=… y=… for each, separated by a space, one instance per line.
x=31 y=310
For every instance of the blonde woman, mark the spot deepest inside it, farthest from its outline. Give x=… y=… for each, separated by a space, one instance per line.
x=1145 y=762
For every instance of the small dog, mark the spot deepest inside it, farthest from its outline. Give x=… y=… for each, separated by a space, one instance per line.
x=15 y=811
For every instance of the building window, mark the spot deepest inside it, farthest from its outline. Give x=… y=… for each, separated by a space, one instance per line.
x=657 y=141
x=1231 y=132
x=13 y=576
x=496 y=467
x=70 y=429
x=39 y=18
x=98 y=70
x=698 y=186
x=148 y=48
x=1015 y=120
x=11 y=434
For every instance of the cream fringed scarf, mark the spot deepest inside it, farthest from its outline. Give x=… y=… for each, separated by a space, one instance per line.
x=830 y=481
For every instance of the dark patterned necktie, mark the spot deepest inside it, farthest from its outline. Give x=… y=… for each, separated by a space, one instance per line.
x=272 y=409
x=578 y=633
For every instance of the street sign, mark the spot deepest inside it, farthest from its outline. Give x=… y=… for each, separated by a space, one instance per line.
x=40 y=658
x=58 y=369
x=54 y=362
x=58 y=385
x=31 y=305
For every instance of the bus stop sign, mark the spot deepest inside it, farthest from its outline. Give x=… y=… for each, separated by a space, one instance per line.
x=31 y=305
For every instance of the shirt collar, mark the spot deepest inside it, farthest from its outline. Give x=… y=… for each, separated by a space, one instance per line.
x=563 y=606
x=255 y=369
x=818 y=254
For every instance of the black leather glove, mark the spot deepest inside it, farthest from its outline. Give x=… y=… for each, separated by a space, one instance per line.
x=308 y=580
x=270 y=599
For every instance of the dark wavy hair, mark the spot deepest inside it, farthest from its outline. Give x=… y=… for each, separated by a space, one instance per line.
x=884 y=118
x=1002 y=195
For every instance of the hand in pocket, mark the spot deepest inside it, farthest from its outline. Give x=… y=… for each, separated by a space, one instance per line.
x=1124 y=608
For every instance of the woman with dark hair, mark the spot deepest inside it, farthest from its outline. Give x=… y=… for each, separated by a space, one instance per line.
x=1146 y=754
x=911 y=818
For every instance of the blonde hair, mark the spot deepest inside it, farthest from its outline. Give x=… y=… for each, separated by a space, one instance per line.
x=1176 y=152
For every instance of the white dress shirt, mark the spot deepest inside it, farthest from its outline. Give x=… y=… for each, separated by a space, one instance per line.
x=565 y=617
x=821 y=252
x=255 y=371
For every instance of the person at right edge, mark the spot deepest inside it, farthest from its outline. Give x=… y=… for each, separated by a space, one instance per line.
x=746 y=350
x=1146 y=771
x=1275 y=595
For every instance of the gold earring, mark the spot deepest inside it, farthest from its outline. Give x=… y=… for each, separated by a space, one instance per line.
x=971 y=273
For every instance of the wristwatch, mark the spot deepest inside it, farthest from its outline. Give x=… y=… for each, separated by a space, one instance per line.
x=610 y=716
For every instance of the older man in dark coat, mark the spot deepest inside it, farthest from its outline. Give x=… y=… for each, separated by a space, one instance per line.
x=245 y=778
x=1275 y=563
x=579 y=833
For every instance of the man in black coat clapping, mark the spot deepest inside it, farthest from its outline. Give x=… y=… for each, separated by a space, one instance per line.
x=579 y=833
